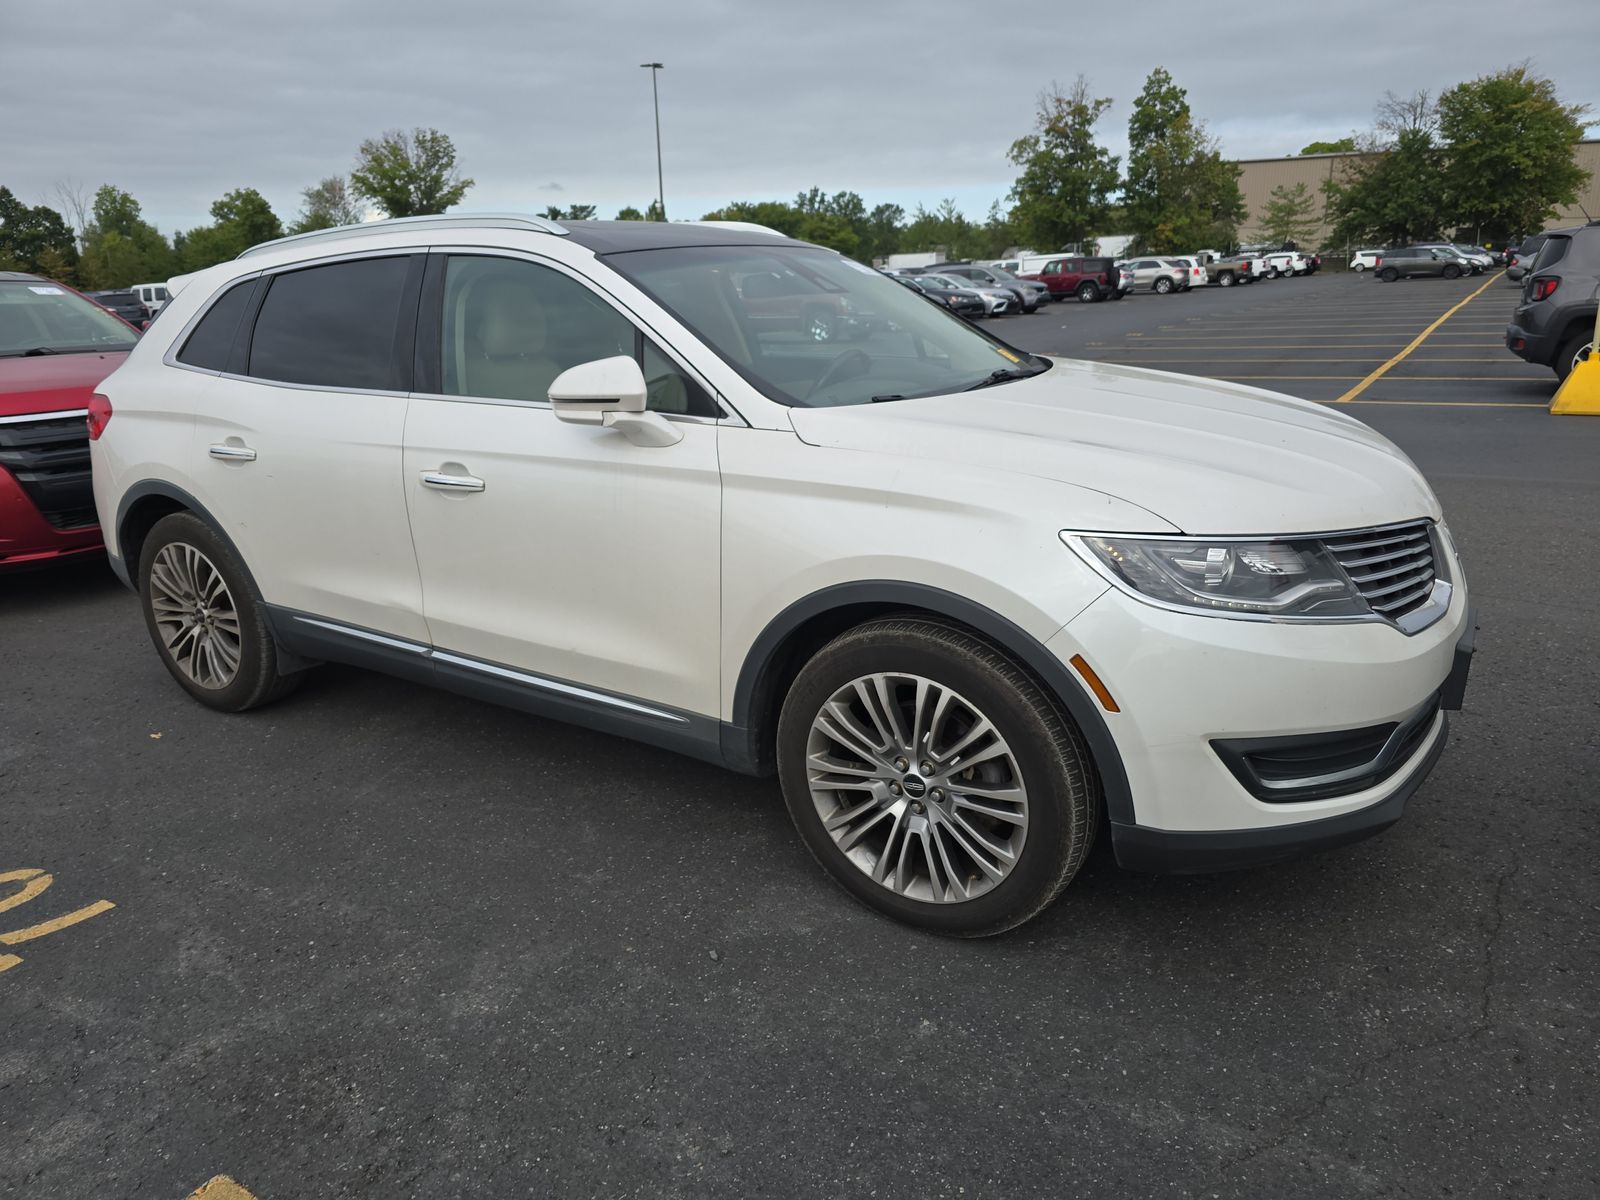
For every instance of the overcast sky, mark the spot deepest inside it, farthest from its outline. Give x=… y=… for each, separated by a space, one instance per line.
x=178 y=101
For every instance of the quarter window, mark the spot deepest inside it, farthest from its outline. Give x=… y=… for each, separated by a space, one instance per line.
x=332 y=326
x=211 y=341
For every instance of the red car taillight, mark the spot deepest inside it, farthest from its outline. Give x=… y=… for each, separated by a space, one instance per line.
x=99 y=416
x=1543 y=289
x=1377 y=262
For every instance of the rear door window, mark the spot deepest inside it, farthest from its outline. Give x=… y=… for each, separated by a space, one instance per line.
x=333 y=326
x=1552 y=252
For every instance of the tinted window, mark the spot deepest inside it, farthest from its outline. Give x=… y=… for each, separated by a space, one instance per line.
x=1552 y=252
x=208 y=346
x=332 y=326
x=669 y=390
x=510 y=327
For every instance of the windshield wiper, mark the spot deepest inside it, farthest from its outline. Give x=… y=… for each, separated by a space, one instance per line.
x=1003 y=375
x=37 y=350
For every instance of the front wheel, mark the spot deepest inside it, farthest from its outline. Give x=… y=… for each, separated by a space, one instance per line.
x=1088 y=293
x=1452 y=272
x=1225 y=279
x=1273 y=272
x=205 y=619
x=933 y=779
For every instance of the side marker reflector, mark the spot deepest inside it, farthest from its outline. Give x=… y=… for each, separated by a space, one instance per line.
x=1100 y=690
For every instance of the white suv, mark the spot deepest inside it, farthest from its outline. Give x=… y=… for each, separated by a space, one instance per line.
x=965 y=601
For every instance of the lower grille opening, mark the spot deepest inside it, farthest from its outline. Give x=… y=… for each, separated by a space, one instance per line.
x=1320 y=766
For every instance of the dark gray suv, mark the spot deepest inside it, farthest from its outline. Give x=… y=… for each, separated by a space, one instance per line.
x=1553 y=324
x=1418 y=260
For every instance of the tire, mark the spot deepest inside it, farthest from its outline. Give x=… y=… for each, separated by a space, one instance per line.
x=1573 y=351
x=1359 y=267
x=1225 y=279
x=1388 y=274
x=1452 y=272
x=232 y=664
x=1088 y=293
x=1273 y=272
x=965 y=891
x=1163 y=286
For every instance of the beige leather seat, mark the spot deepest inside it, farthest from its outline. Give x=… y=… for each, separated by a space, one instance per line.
x=502 y=340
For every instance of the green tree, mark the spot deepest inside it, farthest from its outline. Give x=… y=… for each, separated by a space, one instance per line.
x=1511 y=142
x=1393 y=196
x=1179 y=193
x=29 y=234
x=327 y=205
x=630 y=214
x=119 y=246
x=409 y=174
x=1345 y=145
x=241 y=219
x=946 y=228
x=881 y=236
x=653 y=211
x=1289 y=215
x=774 y=214
x=1067 y=177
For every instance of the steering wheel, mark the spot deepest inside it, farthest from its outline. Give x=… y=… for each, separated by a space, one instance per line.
x=852 y=364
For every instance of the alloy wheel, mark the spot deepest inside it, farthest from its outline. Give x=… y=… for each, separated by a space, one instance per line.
x=917 y=788
x=195 y=615
x=819 y=328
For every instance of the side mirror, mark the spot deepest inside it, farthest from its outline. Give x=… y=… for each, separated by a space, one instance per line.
x=611 y=392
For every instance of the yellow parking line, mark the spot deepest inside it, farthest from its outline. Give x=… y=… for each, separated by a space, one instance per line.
x=220 y=1187
x=7 y=961
x=34 y=881
x=1383 y=370
x=1449 y=403
x=17 y=936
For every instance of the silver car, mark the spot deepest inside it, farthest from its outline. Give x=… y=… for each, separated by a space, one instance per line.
x=1161 y=275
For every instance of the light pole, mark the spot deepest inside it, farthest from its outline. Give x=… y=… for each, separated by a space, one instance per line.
x=661 y=192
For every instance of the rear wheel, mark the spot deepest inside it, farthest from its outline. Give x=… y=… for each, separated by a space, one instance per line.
x=933 y=779
x=1573 y=351
x=1388 y=274
x=1225 y=279
x=205 y=619
x=1088 y=293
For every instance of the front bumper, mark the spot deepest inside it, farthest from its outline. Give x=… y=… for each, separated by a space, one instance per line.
x=1185 y=683
x=27 y=539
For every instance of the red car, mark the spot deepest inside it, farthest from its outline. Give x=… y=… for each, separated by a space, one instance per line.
x=55 y=348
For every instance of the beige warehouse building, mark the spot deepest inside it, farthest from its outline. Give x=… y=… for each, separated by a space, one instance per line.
x=1258 y=176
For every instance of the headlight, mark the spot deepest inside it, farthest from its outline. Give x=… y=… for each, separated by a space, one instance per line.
x=1275 y=578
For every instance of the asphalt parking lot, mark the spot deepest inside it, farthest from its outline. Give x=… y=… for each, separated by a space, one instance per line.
x=382 y=941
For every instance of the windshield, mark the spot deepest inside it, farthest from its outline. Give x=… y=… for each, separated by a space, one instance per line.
x=40 y=316
x=807 y=327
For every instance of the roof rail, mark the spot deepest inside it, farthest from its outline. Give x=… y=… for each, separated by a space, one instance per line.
x=402 y=224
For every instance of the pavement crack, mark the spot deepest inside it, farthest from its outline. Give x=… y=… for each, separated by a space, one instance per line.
x=1296 y=1121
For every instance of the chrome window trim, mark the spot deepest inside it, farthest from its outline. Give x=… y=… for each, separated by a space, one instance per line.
x=1424 y=615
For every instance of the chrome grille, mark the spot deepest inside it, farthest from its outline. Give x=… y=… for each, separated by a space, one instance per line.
x=1392 y=568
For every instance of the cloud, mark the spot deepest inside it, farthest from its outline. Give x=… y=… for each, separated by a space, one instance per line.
x=909 y=100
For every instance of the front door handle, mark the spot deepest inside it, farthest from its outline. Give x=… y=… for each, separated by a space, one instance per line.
x=452 y=483
x=229 y=452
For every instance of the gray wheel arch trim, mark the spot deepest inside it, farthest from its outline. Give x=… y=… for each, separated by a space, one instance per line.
x=171 y=491
x=1005 y=634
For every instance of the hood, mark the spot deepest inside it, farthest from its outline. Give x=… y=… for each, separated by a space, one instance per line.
x=1209 y=457
x=53 y=382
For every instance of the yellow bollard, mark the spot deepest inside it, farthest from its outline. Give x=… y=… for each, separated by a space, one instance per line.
x=1580 y=394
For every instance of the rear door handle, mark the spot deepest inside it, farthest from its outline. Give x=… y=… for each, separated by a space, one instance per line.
x=232 y=453
x=452 y=483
